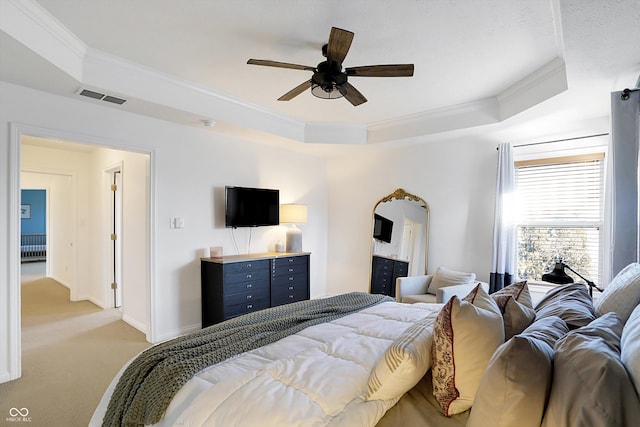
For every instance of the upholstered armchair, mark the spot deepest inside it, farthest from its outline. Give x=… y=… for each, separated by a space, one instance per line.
x=436 y=288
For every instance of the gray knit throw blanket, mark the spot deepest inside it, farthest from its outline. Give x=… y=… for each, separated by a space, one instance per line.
x=150 y=382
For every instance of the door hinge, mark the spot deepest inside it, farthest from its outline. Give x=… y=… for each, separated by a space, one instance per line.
x=114 y=187
x=114 y=236
x=114 y=285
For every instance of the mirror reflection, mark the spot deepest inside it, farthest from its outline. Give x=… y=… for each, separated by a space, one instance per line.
x=400 y=231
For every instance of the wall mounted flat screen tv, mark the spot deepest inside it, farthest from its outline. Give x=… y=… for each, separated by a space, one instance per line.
x=382 y=228
x=251 y=207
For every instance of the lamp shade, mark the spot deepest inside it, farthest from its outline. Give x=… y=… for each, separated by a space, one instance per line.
x=293 y=214
x=557 y=275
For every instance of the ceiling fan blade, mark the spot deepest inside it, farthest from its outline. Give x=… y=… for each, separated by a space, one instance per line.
x=352 y=94
x=268 y=63
x=391 y=70
x=339 y=44
x=295 y=91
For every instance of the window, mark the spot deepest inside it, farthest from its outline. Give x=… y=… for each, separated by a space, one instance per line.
x=560 y=205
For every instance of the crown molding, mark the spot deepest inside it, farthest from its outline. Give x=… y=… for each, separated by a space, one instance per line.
x=456 y=117
x=544 y=83
x=30 y=24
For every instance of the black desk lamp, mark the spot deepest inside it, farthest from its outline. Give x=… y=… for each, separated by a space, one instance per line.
x=559 y=277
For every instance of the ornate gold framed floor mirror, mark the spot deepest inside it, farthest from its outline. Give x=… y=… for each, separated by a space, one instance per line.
x=399 y=240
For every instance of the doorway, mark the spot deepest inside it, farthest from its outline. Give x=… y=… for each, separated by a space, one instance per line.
x=90 y=271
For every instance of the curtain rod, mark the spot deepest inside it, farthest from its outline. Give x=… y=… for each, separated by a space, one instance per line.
x=561 y=140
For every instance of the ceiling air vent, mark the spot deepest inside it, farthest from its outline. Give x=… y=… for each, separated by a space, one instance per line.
x=101 y=96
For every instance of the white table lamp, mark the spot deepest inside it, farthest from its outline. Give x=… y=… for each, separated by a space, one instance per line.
x=293 y=214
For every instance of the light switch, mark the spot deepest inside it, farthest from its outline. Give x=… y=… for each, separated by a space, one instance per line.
x=179 y=222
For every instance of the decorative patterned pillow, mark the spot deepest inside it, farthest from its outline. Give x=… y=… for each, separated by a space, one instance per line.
x=465 y=336
x=622 y=295
x=403 y=364
x=591 y=386
x=444 y=277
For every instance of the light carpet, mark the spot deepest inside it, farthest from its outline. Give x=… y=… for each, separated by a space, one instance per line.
x=70 y=353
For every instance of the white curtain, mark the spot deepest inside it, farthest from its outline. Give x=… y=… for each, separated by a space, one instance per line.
x=504 y=230
x=625 y=131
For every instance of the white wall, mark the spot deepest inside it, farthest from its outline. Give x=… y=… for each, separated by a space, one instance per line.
x=135 y=262
x=456 y=179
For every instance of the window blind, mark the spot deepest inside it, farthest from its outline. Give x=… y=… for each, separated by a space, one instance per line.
x=560 y=212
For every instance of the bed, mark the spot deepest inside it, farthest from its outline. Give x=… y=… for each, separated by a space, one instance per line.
x=33 y=247
x=316 y=376
x=366 y=360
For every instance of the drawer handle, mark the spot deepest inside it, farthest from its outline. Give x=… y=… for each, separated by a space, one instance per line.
x=290 y=288
x=249 y=265
x=249 y=296
x=290 y=270
x=248 y=276
x=291 y=279
x=290 y=259
x=249 y=306
x=291 y=296
x=249 y=286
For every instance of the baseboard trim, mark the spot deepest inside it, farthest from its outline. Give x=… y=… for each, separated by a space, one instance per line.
x=62 y=282
x=134 y=323
x=5 y=377
x=177 y=332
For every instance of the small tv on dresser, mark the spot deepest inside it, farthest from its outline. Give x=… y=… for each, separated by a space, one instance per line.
x=251 y=207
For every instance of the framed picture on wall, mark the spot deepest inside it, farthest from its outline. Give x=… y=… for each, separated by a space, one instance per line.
x=25 y=211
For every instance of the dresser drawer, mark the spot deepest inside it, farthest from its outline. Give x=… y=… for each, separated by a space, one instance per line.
x=247 y=276
x=258 y=293
x=382 y=286
x=381 y=267
x=289 y=265
x=288 y=294
x=246 y=286
x=401 y=269
x=289 y=270
x=246 y=307
x=284 y=280
x=246 y=266
x=286 y=261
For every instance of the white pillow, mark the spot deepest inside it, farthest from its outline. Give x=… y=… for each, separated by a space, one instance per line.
x=630 y=347
x=465 y=336
x=622 y=295
x=403 y=364
x=444 y=277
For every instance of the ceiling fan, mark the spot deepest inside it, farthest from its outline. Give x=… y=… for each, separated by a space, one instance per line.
x=329 y=80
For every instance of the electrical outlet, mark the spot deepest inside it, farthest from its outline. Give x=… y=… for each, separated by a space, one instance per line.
x=179 y=222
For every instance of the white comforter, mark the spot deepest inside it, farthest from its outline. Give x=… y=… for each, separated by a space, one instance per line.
x=317 y=377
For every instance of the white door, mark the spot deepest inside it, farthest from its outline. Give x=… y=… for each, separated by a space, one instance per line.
x=116 y=235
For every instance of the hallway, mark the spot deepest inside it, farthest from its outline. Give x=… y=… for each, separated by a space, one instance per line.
x=70 y=353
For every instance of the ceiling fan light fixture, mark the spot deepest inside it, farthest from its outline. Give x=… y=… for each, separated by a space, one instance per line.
x=326 y=90
x=328 y=80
